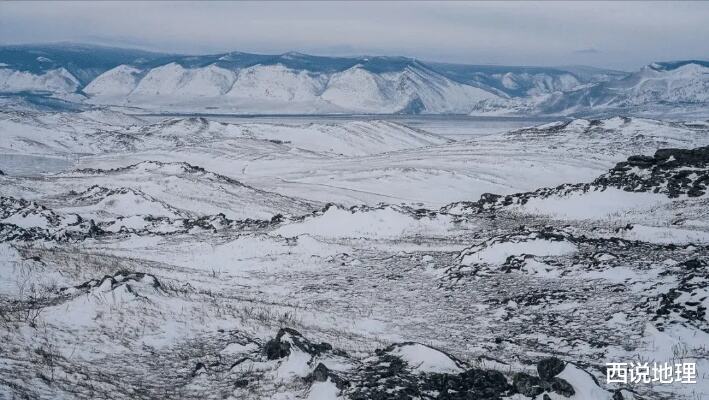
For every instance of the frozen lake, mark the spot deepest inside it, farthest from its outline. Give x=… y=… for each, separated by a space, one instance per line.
x=457 y=127
x=28 y=165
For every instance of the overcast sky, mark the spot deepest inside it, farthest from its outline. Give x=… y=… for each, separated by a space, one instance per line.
x=608 y=34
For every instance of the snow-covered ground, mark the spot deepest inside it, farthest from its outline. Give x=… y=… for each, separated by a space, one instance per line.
x=355 y=259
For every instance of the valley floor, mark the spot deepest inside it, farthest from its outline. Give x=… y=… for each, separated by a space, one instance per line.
x=358 y=259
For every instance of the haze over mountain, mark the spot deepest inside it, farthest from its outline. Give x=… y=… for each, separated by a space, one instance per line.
x=293 y=82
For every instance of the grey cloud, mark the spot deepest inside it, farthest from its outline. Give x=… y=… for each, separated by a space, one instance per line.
x=545 y=33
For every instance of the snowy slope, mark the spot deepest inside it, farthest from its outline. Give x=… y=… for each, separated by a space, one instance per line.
x=119 y=81
x=173 y=80
x=277 y=83
x=415 y=89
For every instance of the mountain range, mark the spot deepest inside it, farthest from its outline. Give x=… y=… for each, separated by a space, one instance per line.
x=295 y=83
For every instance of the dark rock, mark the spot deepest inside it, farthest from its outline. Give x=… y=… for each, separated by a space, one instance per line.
x=320 y=373
x=562 y=387
x=527 y=385
x=93 y=229
x=640 y=160
x=484 y=382
x=241 y=383
x=239 y=361
x=279 y=347
x=304 y=344
x=198 y=369
x=274 y=349
x=388 y=377
x=550 y=367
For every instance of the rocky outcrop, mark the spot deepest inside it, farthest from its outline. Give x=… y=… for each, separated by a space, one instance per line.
x=673 y=172
x=684 y=303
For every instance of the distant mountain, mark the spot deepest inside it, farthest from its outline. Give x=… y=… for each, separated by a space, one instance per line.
x=285 y=84
x=526 y=81
x=82 y=62
x=238 y=82
x=658 y=85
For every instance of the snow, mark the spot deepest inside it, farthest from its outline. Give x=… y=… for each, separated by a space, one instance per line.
x=384 y=223
x=235 y=349
x=359 y=90
x=373 y=276
x=647 y=89
x=497 y=253
x=27 y=221
x=209 y=81
x=296 y=364
x=276 y=82
x=426 y=359
x=160 y=81
x=666 y=235
x=128 y=204
x=608 y=203
x=119 y=81
x=541 y=269
x=279 y=89
x=584 y=385
x=56 y=81
x=323 y=391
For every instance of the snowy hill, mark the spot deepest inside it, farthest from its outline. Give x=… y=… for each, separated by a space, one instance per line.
x=95 y=132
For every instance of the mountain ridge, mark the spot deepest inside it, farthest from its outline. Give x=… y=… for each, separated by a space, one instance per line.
x=293 y=83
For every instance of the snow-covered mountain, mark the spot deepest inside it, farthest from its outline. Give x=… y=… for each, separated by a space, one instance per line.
x=238 y=82
x=670 y=84
x=404 y=86
x=527 y=81
x=295 y=83
x=82 y=62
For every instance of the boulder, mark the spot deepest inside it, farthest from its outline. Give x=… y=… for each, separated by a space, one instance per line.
x=549 y=368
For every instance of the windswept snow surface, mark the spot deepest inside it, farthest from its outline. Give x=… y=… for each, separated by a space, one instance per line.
x=195 y=259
